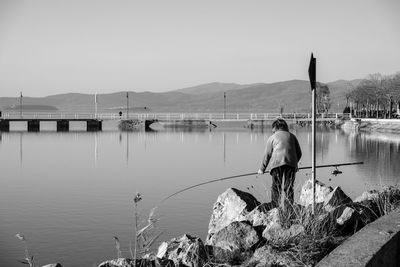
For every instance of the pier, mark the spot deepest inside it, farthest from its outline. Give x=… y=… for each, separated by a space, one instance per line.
x=33 y=125
x=94 y=121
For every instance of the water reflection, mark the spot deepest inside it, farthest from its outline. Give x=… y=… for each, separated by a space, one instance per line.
x=224 y=142
x=20 y=149
x=57 y=185
x=380 y=151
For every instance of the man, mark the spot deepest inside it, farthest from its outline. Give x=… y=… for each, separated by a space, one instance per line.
x=283 y=154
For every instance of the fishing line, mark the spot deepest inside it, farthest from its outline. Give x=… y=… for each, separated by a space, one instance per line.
x=252 y=173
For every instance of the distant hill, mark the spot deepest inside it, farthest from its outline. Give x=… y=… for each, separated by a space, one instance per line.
x=293 y=96
x=213 y=88
x=30 y=108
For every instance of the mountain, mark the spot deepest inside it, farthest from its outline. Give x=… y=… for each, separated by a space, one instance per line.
x=213 y=88
x=291 y=96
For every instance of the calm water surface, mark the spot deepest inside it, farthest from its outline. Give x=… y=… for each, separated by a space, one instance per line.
x=70 y=193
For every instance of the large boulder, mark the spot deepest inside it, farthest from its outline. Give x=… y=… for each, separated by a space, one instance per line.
x=232 y=205
x=231 y=243
x=371 y=195
x=271 y=220
x=267 y=256
x=331 y=198
x=260 y=216
x=336 y=198
x=321 y=192
x=53 y=265
x=184 y=251
x=238 y=236
x=120 y=262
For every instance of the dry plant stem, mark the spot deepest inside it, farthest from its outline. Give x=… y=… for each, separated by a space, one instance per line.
x=136 y=226
x=130 y=248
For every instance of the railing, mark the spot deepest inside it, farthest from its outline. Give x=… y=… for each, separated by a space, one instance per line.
x=173 y=116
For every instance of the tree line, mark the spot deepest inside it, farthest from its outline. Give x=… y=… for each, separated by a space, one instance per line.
x=377 y=96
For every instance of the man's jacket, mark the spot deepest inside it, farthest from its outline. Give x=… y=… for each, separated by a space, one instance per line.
x=282 y=149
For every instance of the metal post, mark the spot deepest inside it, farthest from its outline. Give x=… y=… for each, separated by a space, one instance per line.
x=224 y=105
x=313 y=150
x=95 y=105
x=127 y=105
x=312 y=73
x=20 y=105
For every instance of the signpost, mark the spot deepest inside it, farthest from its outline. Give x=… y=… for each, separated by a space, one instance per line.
x=312 y=73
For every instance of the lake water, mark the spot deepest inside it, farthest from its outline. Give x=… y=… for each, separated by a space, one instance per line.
x=70 y=193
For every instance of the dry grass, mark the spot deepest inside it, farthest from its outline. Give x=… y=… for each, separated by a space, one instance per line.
x=29 y=259
x=321 y=233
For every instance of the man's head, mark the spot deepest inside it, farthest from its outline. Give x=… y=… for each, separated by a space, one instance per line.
x=279 y=124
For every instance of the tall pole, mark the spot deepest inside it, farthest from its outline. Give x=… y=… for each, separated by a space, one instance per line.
x=312 y=72
x=313 y=164
x=20 y=104
x=95 y=105
x=224 y=105
x=127 y=105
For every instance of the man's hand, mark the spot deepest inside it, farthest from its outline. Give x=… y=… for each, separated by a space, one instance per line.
x=260 y=172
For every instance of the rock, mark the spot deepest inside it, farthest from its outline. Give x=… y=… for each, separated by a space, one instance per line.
x=367 y=195
x=121 y=262
x=343 y=218
x=259 y=216
x=272 y=221
x=232 y=205
x=234 y=242
x=284 y=236
x=267 y=256
x=346 y=216
x=238 y=236
x=321 y=192
x=53 y=265
x=164 y=263
x=336 y=198
x=367 y=211
x=184 y=251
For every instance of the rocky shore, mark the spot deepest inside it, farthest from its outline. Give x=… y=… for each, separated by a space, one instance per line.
x=244 y=232
x=372 y=125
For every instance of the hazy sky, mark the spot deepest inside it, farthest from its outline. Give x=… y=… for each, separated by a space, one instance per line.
x=58 y=46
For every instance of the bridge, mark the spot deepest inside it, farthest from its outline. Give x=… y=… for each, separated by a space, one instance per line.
x=94 y=120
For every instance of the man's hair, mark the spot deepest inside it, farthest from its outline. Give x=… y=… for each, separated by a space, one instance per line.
x=280 y=124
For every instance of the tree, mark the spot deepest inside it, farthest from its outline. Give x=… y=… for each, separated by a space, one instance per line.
x=376 y=83
x=376 y=92
x=323 y=100
x=396 y=91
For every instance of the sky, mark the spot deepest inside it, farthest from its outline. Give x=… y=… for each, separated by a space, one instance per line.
x=101 y=46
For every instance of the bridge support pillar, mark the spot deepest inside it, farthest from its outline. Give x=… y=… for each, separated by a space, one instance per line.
x=4 y=125
x=147 y=124
x=33 y=125
x=94 y=125
x=62 y=126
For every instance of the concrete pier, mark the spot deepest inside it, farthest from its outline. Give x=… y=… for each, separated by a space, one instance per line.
x=93 y=125
x=62 y=126
x=4 y=125
x=33 y=125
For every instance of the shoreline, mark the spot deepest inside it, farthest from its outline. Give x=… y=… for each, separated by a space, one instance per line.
x=372 y=125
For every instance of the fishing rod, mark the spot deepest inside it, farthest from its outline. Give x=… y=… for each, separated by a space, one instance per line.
x=253 y=173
